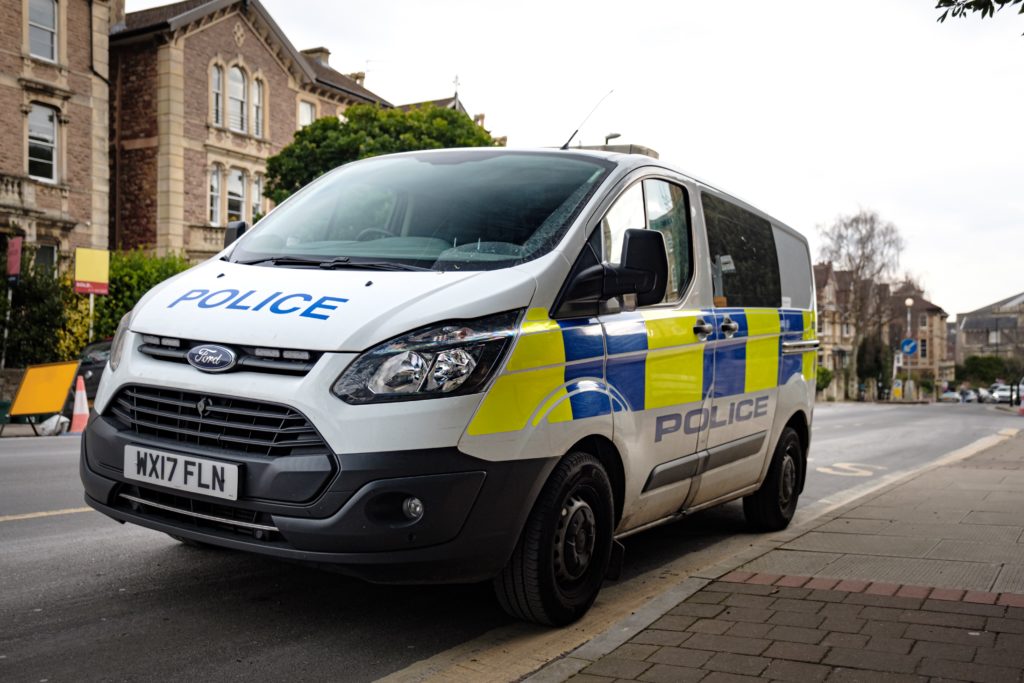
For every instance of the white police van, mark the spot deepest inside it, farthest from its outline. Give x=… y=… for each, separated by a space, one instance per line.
x=464 y=365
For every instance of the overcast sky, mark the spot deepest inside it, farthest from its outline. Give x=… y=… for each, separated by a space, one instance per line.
x=807 y=109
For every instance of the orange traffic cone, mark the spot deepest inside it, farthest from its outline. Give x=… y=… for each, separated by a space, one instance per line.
x=80 y=415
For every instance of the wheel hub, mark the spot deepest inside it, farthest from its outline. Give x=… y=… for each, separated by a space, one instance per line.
x=575 y=539
x=787 y=482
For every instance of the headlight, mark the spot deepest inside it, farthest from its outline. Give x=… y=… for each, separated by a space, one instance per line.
x=441 y=360
x=117 y=346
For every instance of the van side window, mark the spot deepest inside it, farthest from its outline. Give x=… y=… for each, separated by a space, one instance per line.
x=661 y=206
x=794 y=269
x=668 y=212
x=744 y=263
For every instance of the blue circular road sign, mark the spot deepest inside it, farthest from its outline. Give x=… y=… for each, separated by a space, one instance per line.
x=908 y=346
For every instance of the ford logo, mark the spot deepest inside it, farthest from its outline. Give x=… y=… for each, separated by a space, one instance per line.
x=211 y=357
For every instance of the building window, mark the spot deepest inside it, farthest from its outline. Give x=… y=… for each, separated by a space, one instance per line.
x=307 y=113
x=847 y=330
x=217 y=90
x=924 y=320
x=42 y=143
x=215 y=195
x=256 y=198
x=236 y=100
x=924 y=349
x=257 y=108
x=46 y=257
x=236 y=195
x=42 y=29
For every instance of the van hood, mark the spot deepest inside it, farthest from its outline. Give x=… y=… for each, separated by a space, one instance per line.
x=320 y=310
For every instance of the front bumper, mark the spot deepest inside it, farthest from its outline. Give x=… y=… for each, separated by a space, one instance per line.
x=474 y=510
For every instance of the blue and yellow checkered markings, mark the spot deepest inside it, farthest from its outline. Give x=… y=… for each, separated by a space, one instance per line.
x=797 y=325
x=587 y=390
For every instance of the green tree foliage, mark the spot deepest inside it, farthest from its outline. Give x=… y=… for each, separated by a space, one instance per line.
x=369 y=131
x=824 y=378
x=132 y=274
x=984 y=370
x=37 y=314
x=986 y=8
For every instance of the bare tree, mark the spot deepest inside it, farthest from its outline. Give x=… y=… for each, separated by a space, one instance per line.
x=868 y=249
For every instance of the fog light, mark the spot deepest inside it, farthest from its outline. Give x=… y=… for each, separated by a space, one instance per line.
x=412 y=507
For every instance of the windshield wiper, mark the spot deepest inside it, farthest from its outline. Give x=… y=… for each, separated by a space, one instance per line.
x=330 y=264
x=282 y=261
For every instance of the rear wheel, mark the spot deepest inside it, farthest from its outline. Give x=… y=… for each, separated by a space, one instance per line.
x=561 y=559
x=771 y=507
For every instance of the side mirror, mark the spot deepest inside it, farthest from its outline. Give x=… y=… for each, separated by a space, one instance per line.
x=644 y=251
x=643 y=273
x=234 y=230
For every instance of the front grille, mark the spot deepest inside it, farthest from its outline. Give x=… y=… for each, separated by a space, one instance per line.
x=250 y=358
x=216 y=422
x=198 y=514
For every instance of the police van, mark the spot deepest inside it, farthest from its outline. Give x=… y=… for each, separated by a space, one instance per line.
x=465 y=365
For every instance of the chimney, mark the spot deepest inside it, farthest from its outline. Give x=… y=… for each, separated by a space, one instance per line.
x=358 y=77
x=318 y=54
x=479 y=120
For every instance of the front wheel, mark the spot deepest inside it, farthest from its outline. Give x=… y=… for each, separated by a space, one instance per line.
x=771 y=507
x=561 y=559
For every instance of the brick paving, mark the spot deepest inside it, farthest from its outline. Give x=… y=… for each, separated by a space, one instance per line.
x=788 y=630
x=921 y=581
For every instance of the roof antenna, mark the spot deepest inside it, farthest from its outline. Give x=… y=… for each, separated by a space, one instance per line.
x=566 y=145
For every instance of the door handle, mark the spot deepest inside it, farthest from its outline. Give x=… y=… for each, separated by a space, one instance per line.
x=703 y=329
x=730 y=327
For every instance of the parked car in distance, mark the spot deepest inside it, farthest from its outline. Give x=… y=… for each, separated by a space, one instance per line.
x=969 y=396
x=1001 y=394
x=950 y=397
x=91 y=365
x=984 y=395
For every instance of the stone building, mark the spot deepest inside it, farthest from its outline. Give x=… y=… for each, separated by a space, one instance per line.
x=54 y=103
x=204 y=91
x=928 y=327
x=836 y=328
x=993 y=330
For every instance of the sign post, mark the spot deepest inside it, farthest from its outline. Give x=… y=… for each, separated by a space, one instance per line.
x=13 y=273
x=92 y=277
x=909 y=347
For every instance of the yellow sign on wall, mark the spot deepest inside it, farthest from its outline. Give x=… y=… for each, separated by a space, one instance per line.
x=44 y=389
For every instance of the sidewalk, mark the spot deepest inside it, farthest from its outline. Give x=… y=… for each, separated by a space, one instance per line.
x=922 y=580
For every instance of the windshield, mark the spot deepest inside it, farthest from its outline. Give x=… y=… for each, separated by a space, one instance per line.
x=447 y=210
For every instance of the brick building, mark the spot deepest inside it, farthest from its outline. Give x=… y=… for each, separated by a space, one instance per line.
x=54 y=102
x=204 y=91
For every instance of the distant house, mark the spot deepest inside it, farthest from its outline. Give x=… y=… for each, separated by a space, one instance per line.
x=993 y=330
x=928 y=328
x=836 y=328
x=453 y=102
x=204 y=91
x=54 y=142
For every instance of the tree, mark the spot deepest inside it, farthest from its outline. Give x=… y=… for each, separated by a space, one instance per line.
x=959 y=9
x=868 y=249
x=37 y=314
x=369 y=131
x=824 y=378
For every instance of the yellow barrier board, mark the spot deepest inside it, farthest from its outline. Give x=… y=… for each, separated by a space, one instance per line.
x=44 y=389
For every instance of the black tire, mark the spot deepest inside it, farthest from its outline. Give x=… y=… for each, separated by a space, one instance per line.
x=771 y=507
x=549 y=579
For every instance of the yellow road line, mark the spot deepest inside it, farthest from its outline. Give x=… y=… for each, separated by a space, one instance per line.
x=48 y=513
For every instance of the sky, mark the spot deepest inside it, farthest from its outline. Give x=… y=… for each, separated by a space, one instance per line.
x=807 y=109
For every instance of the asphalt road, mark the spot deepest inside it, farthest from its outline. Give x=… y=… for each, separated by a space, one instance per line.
x=84 y=598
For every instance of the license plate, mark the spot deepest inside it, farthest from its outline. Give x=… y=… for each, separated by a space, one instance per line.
x=182 y=472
